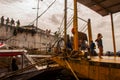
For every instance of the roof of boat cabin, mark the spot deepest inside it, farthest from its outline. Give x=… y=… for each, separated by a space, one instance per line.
x=102 y=7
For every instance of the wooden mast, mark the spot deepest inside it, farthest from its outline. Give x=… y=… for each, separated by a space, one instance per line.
x=65 y=25
x=89 y=31
x=75 y=26
x=65 y=39
x=113 y=35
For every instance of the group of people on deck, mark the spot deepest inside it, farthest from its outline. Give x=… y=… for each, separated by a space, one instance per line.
x=90 y=49
x=92 y=46
x=9 y=22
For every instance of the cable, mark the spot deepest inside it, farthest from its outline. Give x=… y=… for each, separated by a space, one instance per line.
x=43 y=12
x=68 y=24
x=63 y=30
x=83 y=27
x=85 y=30
x=82 y=19
x=61 y=23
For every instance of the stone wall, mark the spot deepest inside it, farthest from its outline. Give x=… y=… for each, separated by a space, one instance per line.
x=23 y=37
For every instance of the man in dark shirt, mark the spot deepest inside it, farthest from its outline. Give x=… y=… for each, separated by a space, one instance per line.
x=92 y=48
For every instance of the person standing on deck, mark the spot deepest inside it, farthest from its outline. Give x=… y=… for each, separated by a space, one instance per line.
x=12 y=22
x=2 y=20
x=7 y=21
x=14 y=64
x=99 y=44
x=92 y=48
x=69 y=44
x=18 y=23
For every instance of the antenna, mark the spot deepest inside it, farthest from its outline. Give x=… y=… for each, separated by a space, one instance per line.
x=37 y=12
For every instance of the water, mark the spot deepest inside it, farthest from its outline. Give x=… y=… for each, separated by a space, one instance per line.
x=55 y=74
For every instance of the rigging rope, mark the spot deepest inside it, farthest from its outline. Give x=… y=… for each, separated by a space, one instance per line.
x=68 y=25
x=83 y=28
x=43 y=12
x=62 y=31
x=71 y=70
x=61 y=23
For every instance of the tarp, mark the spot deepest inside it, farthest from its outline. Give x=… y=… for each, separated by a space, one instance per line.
x=5 y=53
x=1 y=44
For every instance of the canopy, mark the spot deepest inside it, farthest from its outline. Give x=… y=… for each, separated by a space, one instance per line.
x=12 y=52
x=103 y=7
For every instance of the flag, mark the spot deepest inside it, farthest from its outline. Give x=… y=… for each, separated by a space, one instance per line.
x=2 y=44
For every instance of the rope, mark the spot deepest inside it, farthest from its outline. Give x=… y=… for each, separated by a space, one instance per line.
x=62 y=30
x=21 y=70
x=83 y=28
x=71 y=70
x=43 y=12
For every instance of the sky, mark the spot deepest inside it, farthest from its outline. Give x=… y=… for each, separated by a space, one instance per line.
x=52 y=18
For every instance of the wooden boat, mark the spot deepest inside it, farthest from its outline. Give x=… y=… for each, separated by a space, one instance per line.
x=107 y=68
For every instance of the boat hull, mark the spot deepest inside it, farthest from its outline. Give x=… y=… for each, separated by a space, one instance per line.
x=92 y=69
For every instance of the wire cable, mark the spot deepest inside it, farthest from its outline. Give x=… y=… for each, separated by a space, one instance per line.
x=43 y=12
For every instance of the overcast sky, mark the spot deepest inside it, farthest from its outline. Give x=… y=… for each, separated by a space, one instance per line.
x=23 y=10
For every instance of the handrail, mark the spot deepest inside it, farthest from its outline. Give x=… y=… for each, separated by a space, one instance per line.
x=22 y=70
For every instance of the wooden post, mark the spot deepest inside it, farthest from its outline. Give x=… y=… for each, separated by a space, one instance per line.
x=65 y=25
x=113 y=35
x=89 y=31
x=75 y=26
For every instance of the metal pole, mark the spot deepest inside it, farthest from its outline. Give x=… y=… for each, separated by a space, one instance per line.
x=37 y=14
x=75 y=26
x=22 y=61
x=113 y=35
x=65 y=25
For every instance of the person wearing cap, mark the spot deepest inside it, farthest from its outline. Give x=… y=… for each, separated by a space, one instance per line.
x=100 y=44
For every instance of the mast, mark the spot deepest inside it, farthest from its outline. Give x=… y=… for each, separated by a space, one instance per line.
x=75 y=26
x=37 y=14
x=113 y=35
x=65 y=24
x=89 y=31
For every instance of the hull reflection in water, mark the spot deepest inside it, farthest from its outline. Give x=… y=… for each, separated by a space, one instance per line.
x=55 y=74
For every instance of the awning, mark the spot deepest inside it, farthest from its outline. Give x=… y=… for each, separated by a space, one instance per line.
x=103 y=7
x=4 y=53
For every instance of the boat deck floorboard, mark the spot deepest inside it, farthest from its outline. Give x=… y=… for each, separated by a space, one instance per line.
x=106 y=59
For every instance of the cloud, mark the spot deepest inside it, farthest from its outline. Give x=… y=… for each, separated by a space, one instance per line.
x=56 y=18
x=10 y=1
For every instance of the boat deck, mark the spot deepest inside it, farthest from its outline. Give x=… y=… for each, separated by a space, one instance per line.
x=107 y=68
x=106 y=59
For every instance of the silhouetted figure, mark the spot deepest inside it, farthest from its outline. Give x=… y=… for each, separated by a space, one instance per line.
x=49 y=47
x=12 y=22
x=92 y=48
x=14 y=64
x=7 y=21
x=69 y=44
x=18 y=23
x=83 y=45
x=99 y=44
x=2 y=20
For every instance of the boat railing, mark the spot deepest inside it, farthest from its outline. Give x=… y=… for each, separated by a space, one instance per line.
x=42 y=62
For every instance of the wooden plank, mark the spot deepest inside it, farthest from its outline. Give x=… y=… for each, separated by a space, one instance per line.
x=104 y=73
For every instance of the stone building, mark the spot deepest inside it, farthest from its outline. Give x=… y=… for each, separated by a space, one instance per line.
x=26 y=37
